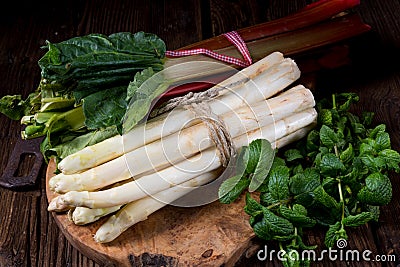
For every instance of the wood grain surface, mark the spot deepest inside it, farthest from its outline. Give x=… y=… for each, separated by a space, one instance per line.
x=213 y=234
x=29 y=236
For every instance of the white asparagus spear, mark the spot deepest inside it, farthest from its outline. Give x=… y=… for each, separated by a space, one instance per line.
x=86 y=216
x=176 y=147
x=82 y=215
x=208 y=160
x=274 y=74
x=139 y=210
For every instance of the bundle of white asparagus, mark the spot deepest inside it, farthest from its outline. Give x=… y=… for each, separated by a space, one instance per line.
x=158 y=162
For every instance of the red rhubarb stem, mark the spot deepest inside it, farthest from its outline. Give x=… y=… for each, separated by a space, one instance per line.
x=307 y=16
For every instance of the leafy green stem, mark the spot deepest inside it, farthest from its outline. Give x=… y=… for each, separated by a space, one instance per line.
x=341 y=201
x=333 y=101
x=278 y=204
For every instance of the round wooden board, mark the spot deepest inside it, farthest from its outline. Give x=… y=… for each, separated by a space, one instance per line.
x=212 y=235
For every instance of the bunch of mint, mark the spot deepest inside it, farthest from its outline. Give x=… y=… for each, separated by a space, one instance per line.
x=336 y=177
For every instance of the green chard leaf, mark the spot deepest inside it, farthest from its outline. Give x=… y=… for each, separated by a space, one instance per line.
x=14 y=107
x=143 y=98
x=105 y=108
x=91 y=53
x=97 y=69
x=72 y=143
x=138 y=80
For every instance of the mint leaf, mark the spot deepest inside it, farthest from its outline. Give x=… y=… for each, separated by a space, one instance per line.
x=312 y=142
x=382 y=141
x=325 y=117
x=276 y=224
x=293 y=154
x=375 y=212
x=305 y=182
x=242 y=160
x=331 y=165
x=367 y=117
x=359 y=219
x=264 y=186
x=261 y=157
x=325 y=199
x=347 y=155
x=369 y=162
x=262 y=230
x=391 y=158
x=328 y=137
x=252 y=207
x=333 y=234
x=231 y=189
x=279 y=183
x=358 y=128
x=349 y=98
x=301 y=245
x=366 y=149
x=296 y=216
x=302 y=185
x=300 y=209
x=378 y=129
x=266 y=199
x=377 y=190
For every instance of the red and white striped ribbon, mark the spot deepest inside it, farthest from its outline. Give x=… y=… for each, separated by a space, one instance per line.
x=234 y=38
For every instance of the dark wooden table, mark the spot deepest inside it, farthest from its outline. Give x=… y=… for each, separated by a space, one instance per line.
x=28 y=234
